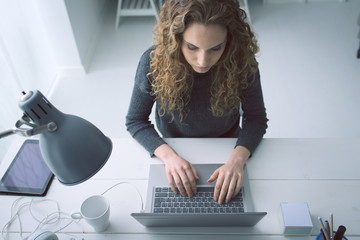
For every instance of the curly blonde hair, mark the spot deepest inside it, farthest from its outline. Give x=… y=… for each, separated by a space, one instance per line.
x=172 y=77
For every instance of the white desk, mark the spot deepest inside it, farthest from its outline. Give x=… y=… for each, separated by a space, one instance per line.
x=322 y=172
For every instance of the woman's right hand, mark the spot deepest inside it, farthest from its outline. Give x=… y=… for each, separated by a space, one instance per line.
x=180 y=173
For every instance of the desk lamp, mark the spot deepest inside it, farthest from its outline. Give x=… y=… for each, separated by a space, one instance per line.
x=73 y=148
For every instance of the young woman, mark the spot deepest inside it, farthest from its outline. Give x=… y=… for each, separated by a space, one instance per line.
x=202 y=74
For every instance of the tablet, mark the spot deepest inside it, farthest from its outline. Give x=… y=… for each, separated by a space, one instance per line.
x=27 y=174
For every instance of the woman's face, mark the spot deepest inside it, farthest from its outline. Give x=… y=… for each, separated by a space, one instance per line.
x=203 y=45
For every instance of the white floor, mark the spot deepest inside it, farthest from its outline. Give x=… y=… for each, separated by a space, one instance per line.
x=310 y=74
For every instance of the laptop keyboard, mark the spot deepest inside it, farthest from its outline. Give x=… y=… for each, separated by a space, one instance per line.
x=166 y=201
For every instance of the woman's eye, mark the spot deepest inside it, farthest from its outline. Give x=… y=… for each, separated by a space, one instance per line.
x=217 y=48
x=191 y=47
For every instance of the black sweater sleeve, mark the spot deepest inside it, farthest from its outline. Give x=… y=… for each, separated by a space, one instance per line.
x=137 y=120
x=254 y=121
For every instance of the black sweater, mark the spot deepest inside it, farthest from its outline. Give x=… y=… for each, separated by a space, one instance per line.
x=199 y=121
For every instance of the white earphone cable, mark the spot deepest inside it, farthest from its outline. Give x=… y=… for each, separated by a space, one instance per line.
x=137 y=190
x=51 y=219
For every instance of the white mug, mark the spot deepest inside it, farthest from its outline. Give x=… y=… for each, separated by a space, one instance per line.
x=96 y=212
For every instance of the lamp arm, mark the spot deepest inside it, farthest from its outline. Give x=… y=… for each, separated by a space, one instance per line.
x=7 y=133
x=19 y=131
x=24 y=120
x=50 y=127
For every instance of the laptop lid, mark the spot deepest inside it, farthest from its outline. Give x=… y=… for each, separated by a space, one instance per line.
x=157 y=177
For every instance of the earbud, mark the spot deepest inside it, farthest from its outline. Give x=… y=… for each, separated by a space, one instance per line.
x=43 y=235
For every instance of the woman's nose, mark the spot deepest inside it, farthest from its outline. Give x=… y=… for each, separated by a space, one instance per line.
x=202 y=59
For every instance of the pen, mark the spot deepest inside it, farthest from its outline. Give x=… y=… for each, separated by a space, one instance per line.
x=331 y=225
x=327 y=228
x=324 y=229
x=340 y=233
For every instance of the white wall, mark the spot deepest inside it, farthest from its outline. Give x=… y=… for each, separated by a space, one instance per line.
x=72 y=27
x=26 y=44
x=86 y=18
x=59 y=33
x=41 y=41
x=26 y=61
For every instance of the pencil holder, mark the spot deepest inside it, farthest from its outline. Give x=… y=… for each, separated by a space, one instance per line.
x=321 y=237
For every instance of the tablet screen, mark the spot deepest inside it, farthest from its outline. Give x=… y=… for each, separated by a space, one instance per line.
x=28 y=174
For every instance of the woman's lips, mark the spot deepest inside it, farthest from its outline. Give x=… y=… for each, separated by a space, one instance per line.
x=202 y=69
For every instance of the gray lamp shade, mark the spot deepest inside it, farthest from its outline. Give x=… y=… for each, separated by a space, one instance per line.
x=76 y=150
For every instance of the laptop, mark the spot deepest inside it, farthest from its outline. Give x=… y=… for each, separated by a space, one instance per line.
x=159 y=213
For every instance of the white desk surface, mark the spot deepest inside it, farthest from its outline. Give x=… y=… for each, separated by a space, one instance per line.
x=322 y=172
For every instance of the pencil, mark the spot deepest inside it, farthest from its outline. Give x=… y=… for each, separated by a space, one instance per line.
x=326 y=234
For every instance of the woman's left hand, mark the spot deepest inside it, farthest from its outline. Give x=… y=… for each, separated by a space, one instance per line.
x=229 y=176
